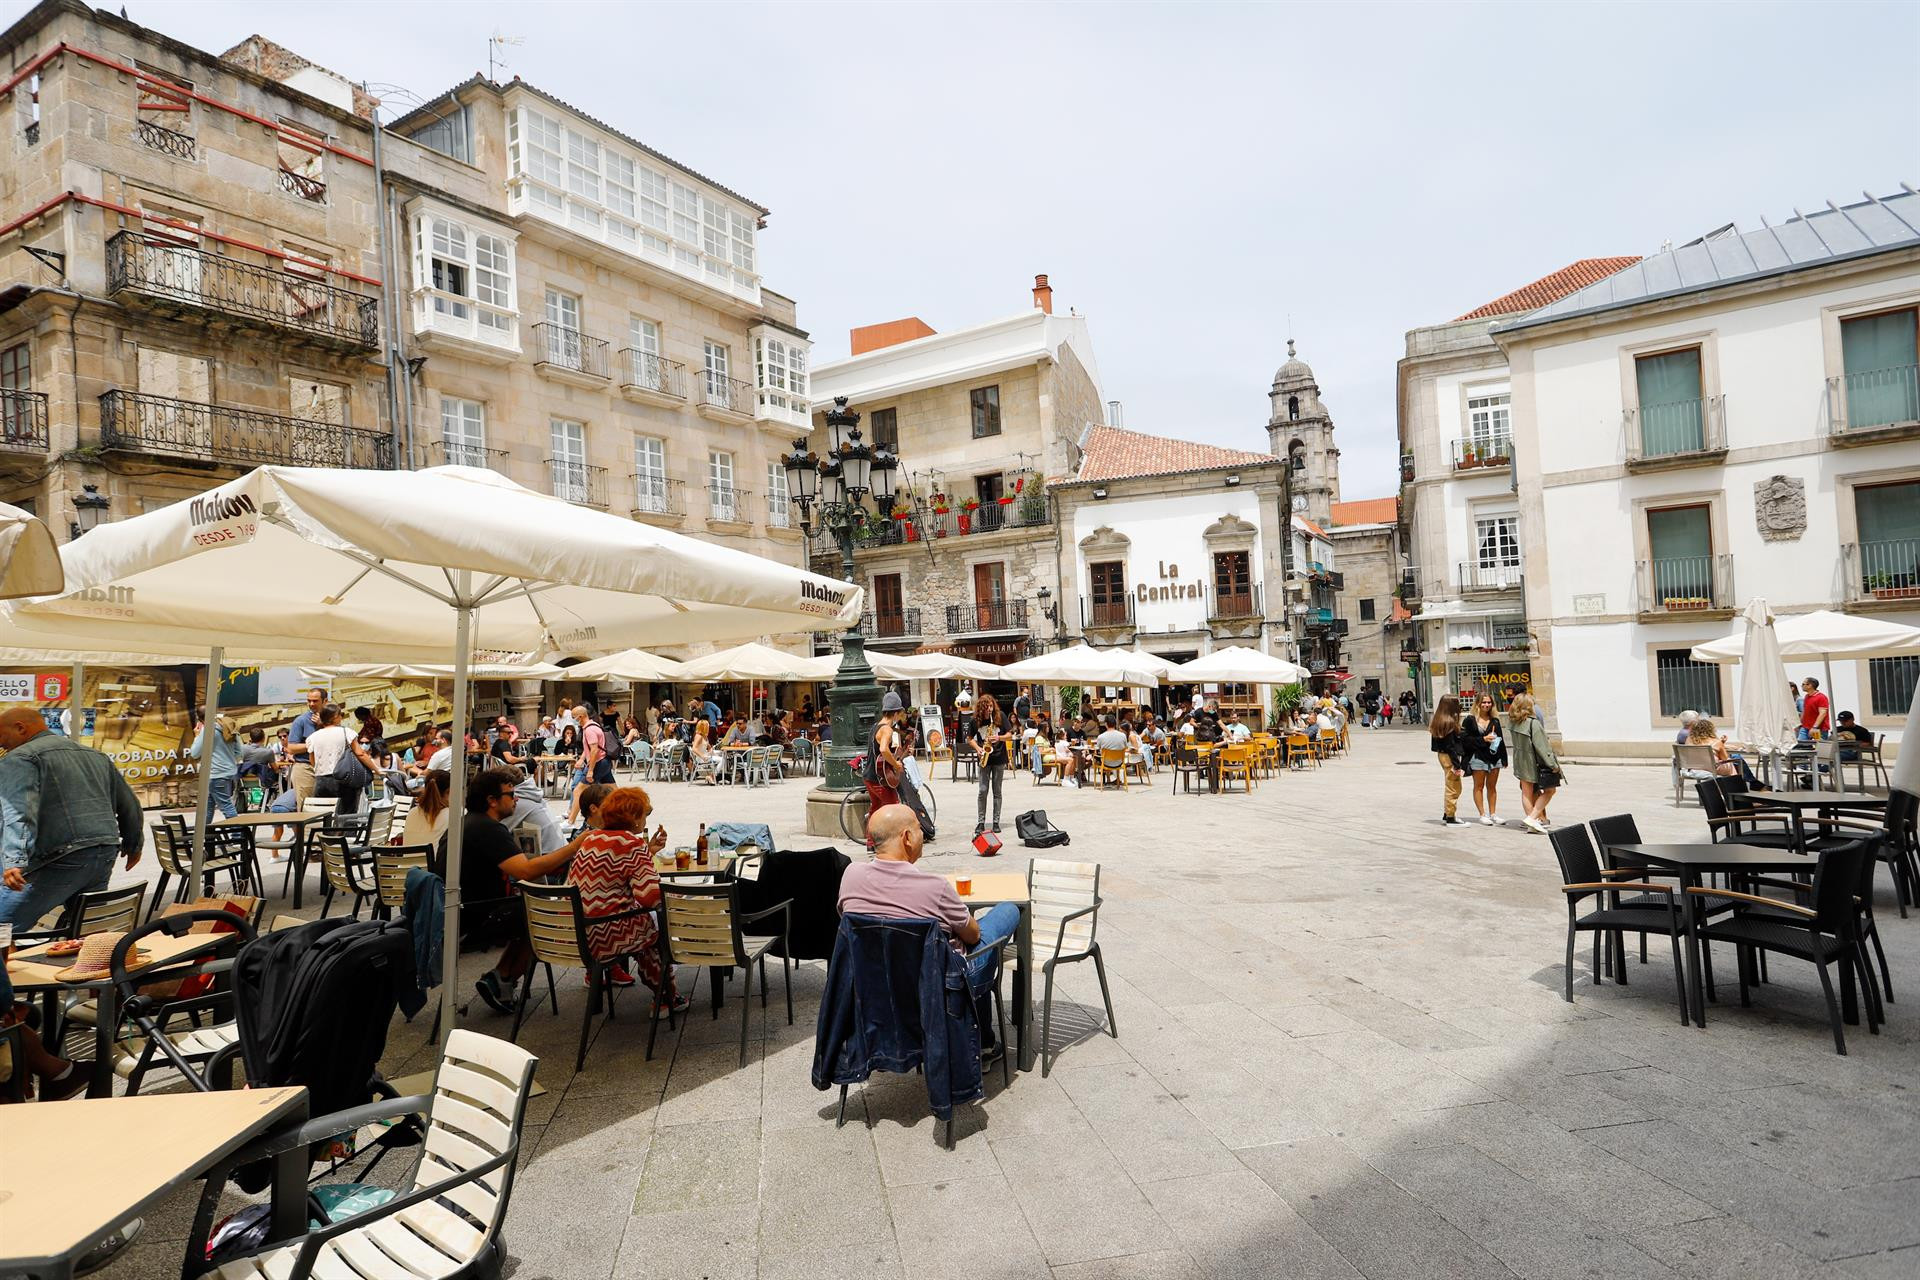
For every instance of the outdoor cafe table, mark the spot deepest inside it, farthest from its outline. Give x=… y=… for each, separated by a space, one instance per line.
x=299 y=820
x=990 y=889
x=31 y=970
x=1799 y=802
x=1694 y=861
x=76 y=1171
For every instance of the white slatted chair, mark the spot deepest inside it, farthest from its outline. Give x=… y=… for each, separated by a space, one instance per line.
x=446 y=1221
x=391 y=863
x=1064 y=898
x=702 y=928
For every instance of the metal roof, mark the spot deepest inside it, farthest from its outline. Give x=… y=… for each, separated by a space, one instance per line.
x=1730 y=256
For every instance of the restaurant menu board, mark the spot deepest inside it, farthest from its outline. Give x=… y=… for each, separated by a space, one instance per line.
x=931 y=719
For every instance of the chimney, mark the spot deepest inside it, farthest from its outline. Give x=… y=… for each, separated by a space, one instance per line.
x=1043 y=294
x=890 y=333
x=1114 y=417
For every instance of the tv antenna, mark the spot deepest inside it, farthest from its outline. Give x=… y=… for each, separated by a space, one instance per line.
x=495 y=42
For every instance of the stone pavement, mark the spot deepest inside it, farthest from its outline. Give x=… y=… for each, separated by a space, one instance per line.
x=1342 y=1052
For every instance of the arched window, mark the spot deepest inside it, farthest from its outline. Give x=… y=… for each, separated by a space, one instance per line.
x=1293 y=408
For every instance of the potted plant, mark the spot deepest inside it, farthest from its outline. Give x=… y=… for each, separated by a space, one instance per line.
x=967 y=507
x=1889 y=586
x=939 y=503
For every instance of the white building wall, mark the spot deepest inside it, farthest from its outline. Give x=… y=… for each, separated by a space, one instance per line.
x=1164 y=536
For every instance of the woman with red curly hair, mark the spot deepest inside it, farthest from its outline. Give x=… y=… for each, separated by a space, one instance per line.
x=613 y=868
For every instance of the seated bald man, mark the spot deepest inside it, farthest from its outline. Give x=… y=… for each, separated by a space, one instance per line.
x=891 y=886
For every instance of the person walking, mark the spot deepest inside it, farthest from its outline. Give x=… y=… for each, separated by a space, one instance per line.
x=1488 y=757
x=994 y=745
x=1450 y=750
x=222 y=769
x=65 y=813
x=1534 y=763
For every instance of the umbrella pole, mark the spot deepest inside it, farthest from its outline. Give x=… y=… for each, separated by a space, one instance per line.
x=456 y=806
x=73 y=700
x=203 y=785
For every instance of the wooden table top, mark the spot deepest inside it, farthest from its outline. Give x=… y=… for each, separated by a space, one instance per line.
x=79 y=1175
x=994 y=887
x=37 y=975
x=297 y=818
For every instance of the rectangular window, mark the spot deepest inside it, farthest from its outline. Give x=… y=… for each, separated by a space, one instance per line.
x=1680 y=540
x=569 y=459
x=463 y=432
x=17 y=419
x=450 y=135
x=470 y=274
x=1881 y=358
x=649 y=474
x=16 y=368
x=175 y=376
x=1889 y=520
x=885 y=426
x=643 y=343
x=1686 y=685
x=1107 y=582
x=1890 y=685
x=1671 y=419
x=1497 y=542
x=778 y=516
x=314 y=401
x=302 y=162
x=986 y=411
x=723 y=500
x=1487 y=423
x=1233 y=583
x=990 y=596
x=718 y=390
x=1366 y=609
x=564 y=347
x=889 y=605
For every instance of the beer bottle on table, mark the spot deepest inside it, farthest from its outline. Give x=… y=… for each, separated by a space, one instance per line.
x=700 y=846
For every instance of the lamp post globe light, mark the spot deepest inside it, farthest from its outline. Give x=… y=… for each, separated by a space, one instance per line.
x=839 y=486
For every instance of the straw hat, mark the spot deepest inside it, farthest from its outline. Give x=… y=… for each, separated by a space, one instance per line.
x=96 y=958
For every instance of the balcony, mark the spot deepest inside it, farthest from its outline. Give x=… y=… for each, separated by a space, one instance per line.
x=994 y=615
x=1685 y=433
x=1341 y=626
x=726 y=504
x=1685 y=587
x=658 y=500
x=164 y=140
x=725 y=399
x=1317 y=619
x=779 y=511
x=1472 y=578
x=463 y=453
x=23 y=421
x=880 y=531
x=894 y=624
x=1107 y=615
x=1483 y=453
x=178 y=280
x=312 y=190
x=781 y=408
x=1884 y=572
x=569 y=355
x=1227 y=606
x=161 y=426
x=1874 y=405
x=578 y=482
x=652 y=378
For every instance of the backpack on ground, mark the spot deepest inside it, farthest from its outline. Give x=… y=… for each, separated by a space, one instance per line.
x=1036 y=832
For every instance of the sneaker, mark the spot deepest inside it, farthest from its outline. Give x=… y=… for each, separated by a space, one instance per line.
x=1449 y=819
x=1535 y=827
x=616 y=974
x=493 y=993
x=1488 y=820
x=680 y=1005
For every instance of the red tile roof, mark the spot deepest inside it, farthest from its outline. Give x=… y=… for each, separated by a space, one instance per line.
x=1112 y=454
x=1367 y=511
x=1313 y=528
x=1566 y=280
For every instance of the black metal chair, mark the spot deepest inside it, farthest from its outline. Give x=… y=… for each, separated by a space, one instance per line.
x=198 y=1051
x=1823 y=933
x=173 y=850
x=1582 y=878
x=346 y=869
x=1746 y=827
x=701 y=925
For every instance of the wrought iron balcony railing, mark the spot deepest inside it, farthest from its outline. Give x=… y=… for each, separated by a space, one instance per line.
x=1886 y=569
x=1681 y=429
x=991 y=615
x=655 y=495
x=727 y=394
x=1685 y=584
x=462 y=453
x=779 y=511
x=1473 y=576
x=178 y=277
x=165 y=140
x=727 y=504
x=299 y=184
x=1222 y=605
x=645 y=371
x=1873 y=399
x=578 y=482
x=1474 y=453
x=569 y=350
x=23 y=421
x=1106 y=615
x=1024 y=512
x=892 y=624
x=131 y=422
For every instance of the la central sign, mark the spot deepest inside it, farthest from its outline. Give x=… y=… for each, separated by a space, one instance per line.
x=1169 y=573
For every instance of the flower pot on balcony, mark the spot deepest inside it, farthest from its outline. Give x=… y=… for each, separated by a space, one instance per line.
x=913 y=534
x=1005 y=501
x=1676 y=604
x=966 y=523
x=1896 y=593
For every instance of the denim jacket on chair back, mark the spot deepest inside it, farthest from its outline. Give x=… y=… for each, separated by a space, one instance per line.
x=58 y=797
x=897 y=998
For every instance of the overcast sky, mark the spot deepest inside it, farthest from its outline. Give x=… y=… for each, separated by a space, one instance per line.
x=1198 y=180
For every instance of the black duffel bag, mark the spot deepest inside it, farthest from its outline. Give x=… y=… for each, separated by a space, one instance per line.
x=1036 y=832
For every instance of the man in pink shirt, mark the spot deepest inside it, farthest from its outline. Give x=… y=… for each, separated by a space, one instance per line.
x=892 y=887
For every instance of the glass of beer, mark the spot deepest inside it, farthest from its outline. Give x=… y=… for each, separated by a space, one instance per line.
x=963 y=884
x=682 y=859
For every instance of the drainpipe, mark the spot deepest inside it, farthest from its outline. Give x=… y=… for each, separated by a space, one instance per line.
x=402 y=445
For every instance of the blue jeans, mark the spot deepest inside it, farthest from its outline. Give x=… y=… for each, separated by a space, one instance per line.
x=996 y=926
x=55 y=884
x=220 y=796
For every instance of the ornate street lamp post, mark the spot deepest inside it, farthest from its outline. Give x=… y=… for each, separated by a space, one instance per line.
x=840 y=485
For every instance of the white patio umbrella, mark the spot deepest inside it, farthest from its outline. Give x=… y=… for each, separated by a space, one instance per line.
x=1763 y=717
x=1237 y=664
x=29 y=559
x=750 y=661
x=1906 y=768
x=433 y=671
x=399 y=567
x=632 y=665
x=932 y=666
x=1083 y=664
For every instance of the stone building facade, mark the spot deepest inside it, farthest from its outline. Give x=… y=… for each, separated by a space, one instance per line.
x=189 y=269
x=1367 y=549
x=984 y=421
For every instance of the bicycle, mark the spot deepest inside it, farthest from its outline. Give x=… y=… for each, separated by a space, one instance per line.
x=853 y=805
